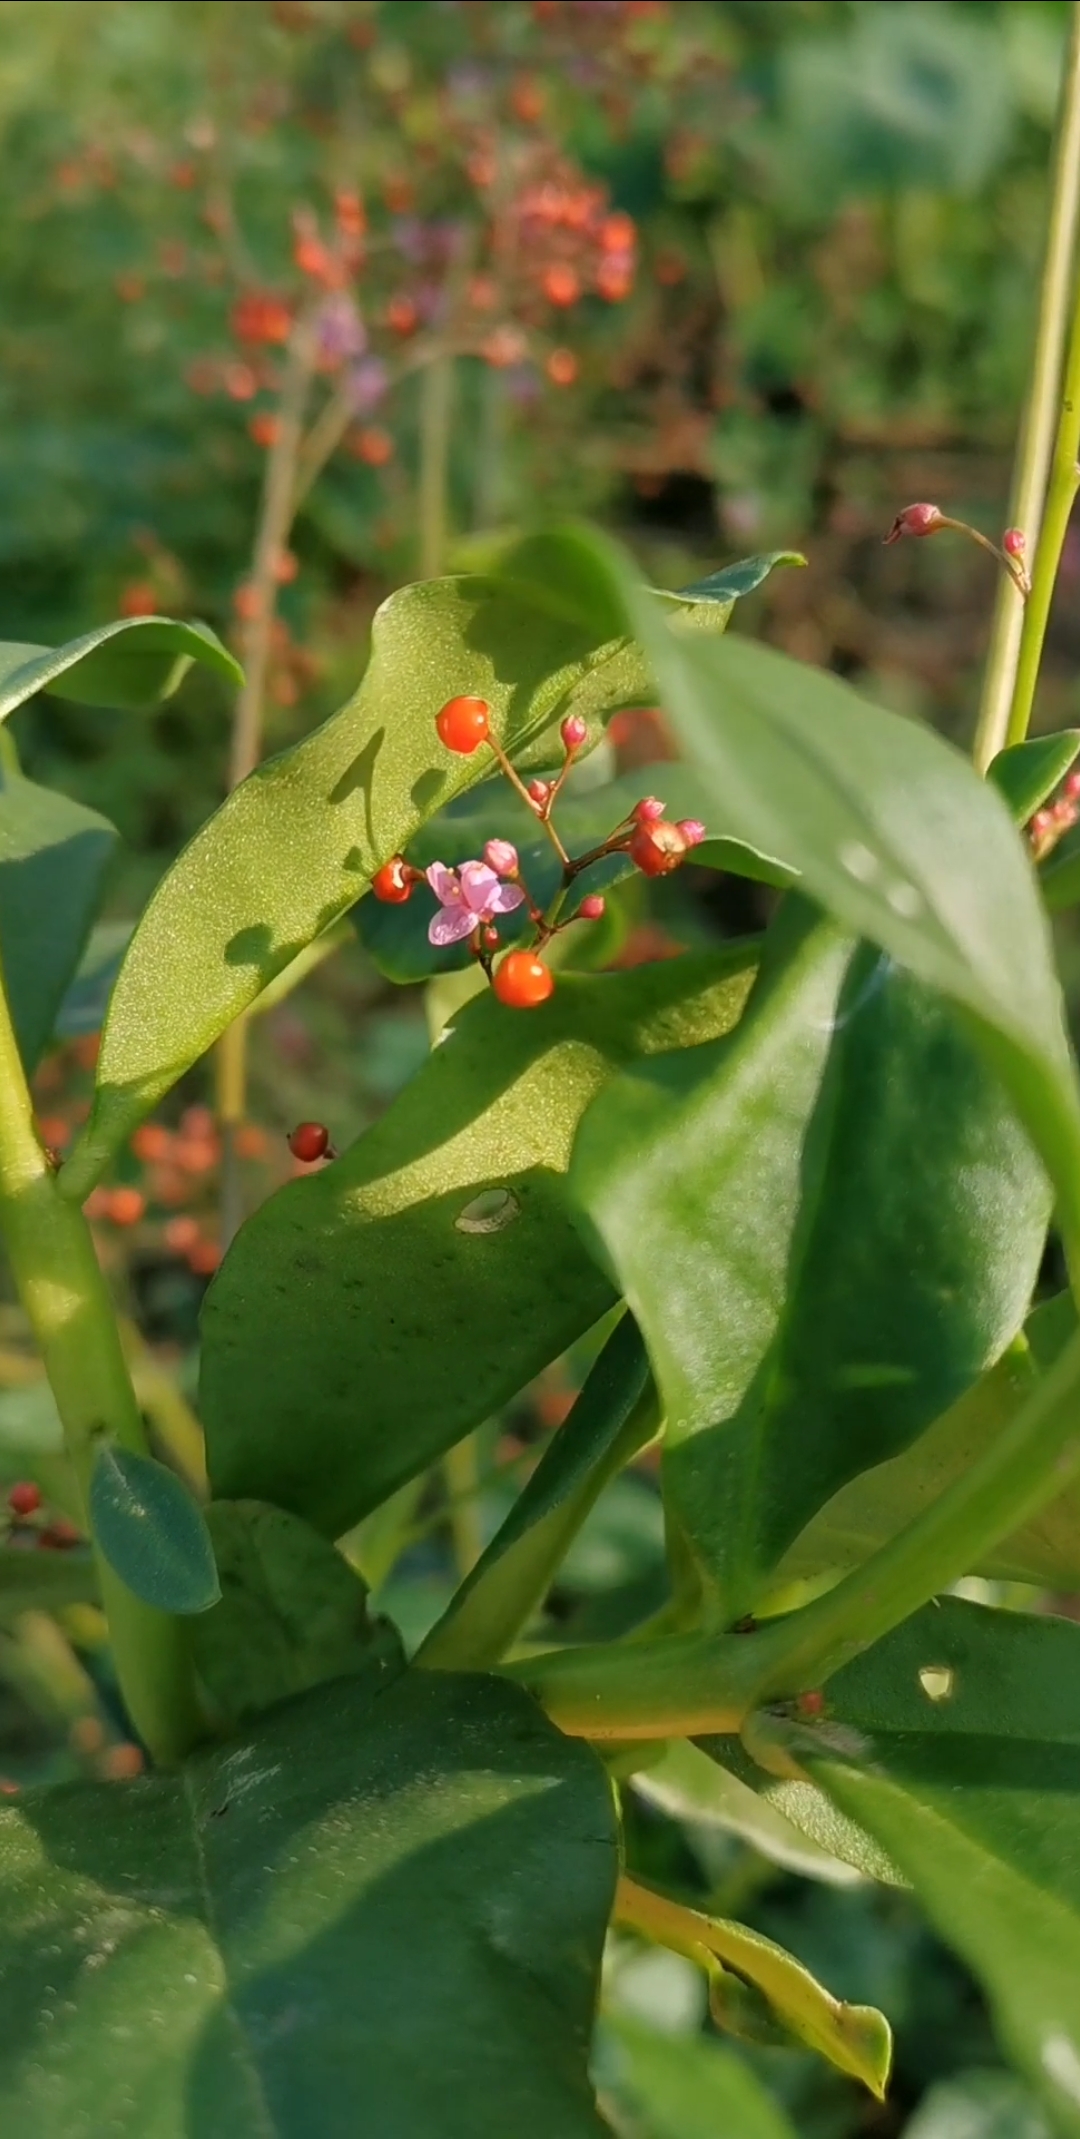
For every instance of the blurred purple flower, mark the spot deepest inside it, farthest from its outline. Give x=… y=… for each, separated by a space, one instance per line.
x=339 y=330
x=367 y=384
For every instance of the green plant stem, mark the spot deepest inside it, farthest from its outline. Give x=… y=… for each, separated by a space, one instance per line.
x=997 y=709
x=693 y=1684
x=436 y=399
x=64 y=1295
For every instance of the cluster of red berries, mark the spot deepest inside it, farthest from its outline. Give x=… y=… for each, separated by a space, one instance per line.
x=24 y=1503
x=522 y=980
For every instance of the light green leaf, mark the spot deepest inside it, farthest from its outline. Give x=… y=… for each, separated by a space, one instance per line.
x=956 y=1744
x=727 y=586
x=292 y=1612
x=614 y=1415
x=827 y=1225
x=694 y=1789
x=54 y=855
x=1028 y=773
x=151 y=1530
x=132 y=663
x=368 y=1316
x=381 y=1916
x=686 y=2087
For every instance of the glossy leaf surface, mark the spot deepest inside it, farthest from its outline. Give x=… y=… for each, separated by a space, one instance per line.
x=1027 y=773
x=686 y=2087
x=132 y=663
x=292 y=1613
x=689 y=1786
x=956 y=1744
x=614 y=1415
x=54 y=855
x=826 y=1226
x=400 y=1935
x=152 y=1531
x=366 y=1317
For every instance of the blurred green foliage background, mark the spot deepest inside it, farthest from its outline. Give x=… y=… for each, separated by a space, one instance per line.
x=727 y=274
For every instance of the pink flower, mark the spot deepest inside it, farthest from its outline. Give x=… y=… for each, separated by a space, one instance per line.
x=468 y=898
x=502 y=857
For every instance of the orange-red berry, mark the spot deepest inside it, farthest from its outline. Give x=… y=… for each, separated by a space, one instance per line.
x=125 y=1206
x=393 y=883
x=657 y=849
x=24 y=1498
x=561 y=283
x=562 y=367
x=402 y=316
x=463 y=724
x=523 y=980
x=811 y=1705
x=309 y=1141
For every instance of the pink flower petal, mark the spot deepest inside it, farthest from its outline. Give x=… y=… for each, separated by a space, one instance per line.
x=505 y=898
x=479 y=885
x=450 y=924
x=444 y=883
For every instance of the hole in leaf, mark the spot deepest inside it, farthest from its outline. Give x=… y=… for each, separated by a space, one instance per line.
x=938 y=1681
x=488 y=1212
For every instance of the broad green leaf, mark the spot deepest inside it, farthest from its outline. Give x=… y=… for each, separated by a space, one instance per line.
x=396 y=936
x=956 y=1744
x=759 y=1990
x=694 y=1789
x=979 y=2105
x=614 y=1416
x=882 y=1501
x=686 y=2087
x=827 y=1225
x=292 y=1612
x=1027 y=773
x=132 y=663
x=380 y=1916
x=151 y=1530
x=726 y=587
x=54 y=855
x=368 y=1316
x=891 y=831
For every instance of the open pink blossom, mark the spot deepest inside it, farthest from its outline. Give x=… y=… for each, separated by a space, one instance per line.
x=468 y=897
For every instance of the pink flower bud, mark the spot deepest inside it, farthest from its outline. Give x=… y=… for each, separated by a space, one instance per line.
x=1014 y=542
x=693 y=831
x=916 y=520
x=648 y=810
x=1042 y=823
x=538 y=792
x=574 y=731
x=1072 y=786
x=502 y=857
x=592 y=908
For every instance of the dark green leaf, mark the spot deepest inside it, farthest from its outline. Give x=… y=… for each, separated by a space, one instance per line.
x=1028 y=772
x=685 y=2087
x=151 y=1531
x=728 y=586
x=132 y=663
x=368 y=1316
x=374 y=1916
x=956 y=1744
x=54 y=855
x=291 y=1613
x=296 y=844
x=827 y=1225
x=615 y=1414
x=882 y=1501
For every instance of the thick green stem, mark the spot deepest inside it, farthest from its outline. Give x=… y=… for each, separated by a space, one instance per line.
x=63 y=1292
x=998 y=710
x=694 y=1684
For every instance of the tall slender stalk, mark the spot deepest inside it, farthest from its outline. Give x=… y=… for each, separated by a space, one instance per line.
x=1005 y=706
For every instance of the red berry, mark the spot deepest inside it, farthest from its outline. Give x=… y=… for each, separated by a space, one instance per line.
x=463 y=724
x=60 y=1536
x=523 y=980
x=657 y=849
x=561 y=283
x=618 y=233
x=649 y=810
x=1014 y=542
x=402 y=316
x=24 y=1498
x=574 y=731
x=1072 y=789
x=592 y=908
x=916 y=520
x=309 y=1141
x=393 y=883
x=811 y=1705
x=562 y=367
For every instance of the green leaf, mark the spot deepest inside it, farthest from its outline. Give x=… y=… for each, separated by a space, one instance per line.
x=1027 y=773
x=1059 y=874
x=372 y=1915
x=870 y=1510
x=291 y=1613
x=151 y=1531
x=396 y=936
x=686 y=2087
x=827 y=1225
x=366 y=1317
x=615 y=1414
x=891 y=831
x=693 y=1788
x=297 y=843
x=87 y=996
x=729 y=585
x=956 y=1744
x=54 y=855
x=129 y=664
